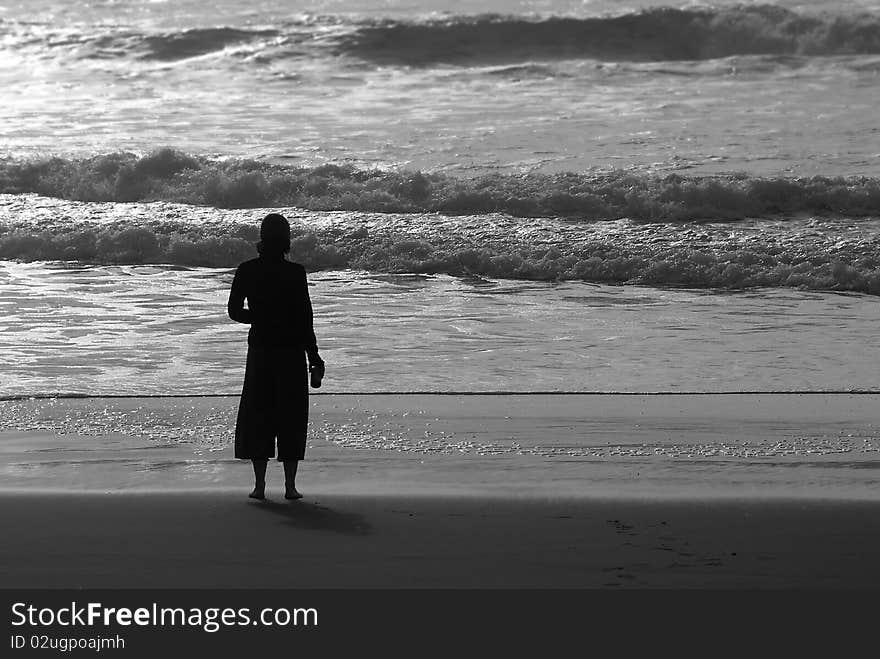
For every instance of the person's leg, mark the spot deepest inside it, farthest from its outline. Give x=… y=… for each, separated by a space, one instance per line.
x=259 y=479
x=290 y=491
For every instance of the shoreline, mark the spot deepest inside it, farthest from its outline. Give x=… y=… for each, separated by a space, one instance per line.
x=779 y=446
x=499 y=392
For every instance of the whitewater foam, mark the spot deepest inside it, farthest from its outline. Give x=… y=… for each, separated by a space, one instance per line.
x=830 y=253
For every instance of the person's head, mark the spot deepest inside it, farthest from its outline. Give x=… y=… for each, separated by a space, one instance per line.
x=274 y=236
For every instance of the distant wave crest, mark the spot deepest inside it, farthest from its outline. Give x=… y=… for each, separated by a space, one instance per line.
x=652 y=35
x=102 y=43
x=171 y=175
x=191 y=43
x=657 y=34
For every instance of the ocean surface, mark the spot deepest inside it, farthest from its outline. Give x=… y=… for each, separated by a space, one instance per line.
x=489 y=196
x=465 y=86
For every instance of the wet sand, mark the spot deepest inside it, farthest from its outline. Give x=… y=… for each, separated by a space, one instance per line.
x=445 y=491
x=503 y=446
x=221 y=539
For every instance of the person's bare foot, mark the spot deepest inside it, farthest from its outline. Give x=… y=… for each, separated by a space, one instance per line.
x=292 y=493
x=258 y=494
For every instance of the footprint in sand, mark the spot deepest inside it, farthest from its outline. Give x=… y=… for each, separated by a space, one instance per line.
x=620 y=527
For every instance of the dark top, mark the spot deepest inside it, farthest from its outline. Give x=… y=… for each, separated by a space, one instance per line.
x=279 y=309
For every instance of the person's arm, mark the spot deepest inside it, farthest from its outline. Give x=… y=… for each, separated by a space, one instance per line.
x=235 y=306
x=308 y=330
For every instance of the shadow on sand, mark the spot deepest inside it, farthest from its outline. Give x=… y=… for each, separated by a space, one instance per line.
x=315 y=517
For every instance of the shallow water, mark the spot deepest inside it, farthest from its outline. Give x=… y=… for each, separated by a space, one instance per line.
x=159 y=330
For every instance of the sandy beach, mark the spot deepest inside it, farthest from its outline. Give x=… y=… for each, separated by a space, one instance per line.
x=220 y=539
x=780 y=509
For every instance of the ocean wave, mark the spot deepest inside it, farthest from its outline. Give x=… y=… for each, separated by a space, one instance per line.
x=189 y=43
x=171 y=175
x=656 y=34
x=128 y=44
x=659 y=34
x=816 y=254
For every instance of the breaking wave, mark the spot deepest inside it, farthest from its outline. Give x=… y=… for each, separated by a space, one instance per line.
x=170 y=175
x=657 y=34
x=126 y=43
x=652 y=35
x=182 y=45
x=814 y=254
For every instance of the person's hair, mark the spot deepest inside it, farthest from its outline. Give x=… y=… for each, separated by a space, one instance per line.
x=274 y=235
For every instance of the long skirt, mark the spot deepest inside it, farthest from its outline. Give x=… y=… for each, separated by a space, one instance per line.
x=274 y=405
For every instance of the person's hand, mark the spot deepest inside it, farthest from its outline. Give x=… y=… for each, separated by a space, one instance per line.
x=316 y=370
x=315 y=362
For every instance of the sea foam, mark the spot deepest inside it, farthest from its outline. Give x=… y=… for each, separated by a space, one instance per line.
x=830 y=253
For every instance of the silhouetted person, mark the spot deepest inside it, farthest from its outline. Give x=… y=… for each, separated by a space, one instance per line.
x=275 y=395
